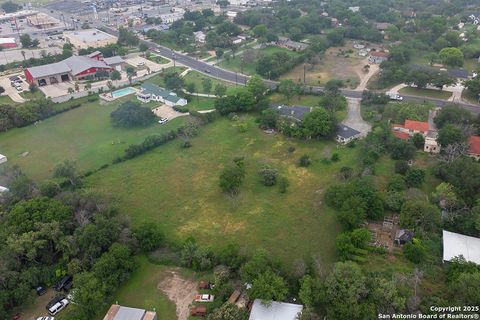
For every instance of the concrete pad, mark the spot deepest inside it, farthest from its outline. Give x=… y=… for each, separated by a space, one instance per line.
x=164 y=111
x=142 y=63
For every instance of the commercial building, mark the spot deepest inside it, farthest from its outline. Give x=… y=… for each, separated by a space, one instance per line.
x=117 y=312
x=42 y=21
x=70 y=69
x=7 y=43
x=89 y=38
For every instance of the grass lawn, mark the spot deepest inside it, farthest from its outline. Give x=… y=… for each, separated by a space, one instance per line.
x=201 y=103
x=235 y=64
x=469 y=97
x=141 y=291
x=158 y=79
x=32 y=96
x=6 y=100
x=430 y=93
x=84 y=134
x=197 y=78
x=158 y=59
x=178 y=188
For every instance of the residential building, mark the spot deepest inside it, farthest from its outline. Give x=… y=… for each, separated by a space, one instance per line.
x=474 y=147
x=292 y=45
x=151 y=92
x=354 y=9
x=456 y=245
x=238 y=2
x=7 y=43
x=71 y=69
x=410 y=127
x=117 y=312
x=378 y=57
x=231 y=15
x=346 y=134
x=382 y=26
x=115 y=62
x=334 y=22
x=171 y=17
x=89 y=38
x=275 y=311
x=431 y=145
x=458 y=73
x=296 y=113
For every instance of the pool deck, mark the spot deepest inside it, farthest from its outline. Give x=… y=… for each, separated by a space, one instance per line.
x=109 y=97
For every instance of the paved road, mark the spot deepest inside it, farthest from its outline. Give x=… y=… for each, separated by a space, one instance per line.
x=235 y=77
x=354 y=117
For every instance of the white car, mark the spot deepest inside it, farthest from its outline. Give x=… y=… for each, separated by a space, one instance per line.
x=19 y=88
x=204 y=298
x=163 y=120
x=57 y=307
x=45 y=318
x=141 y=63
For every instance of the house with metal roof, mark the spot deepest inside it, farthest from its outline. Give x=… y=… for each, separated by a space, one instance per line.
x=71 y=69
x=456 y=245
x=151 y=92
x=275 y=311
x=474 y=147
x=296 y=113
x=117 y=312
x=346 y=134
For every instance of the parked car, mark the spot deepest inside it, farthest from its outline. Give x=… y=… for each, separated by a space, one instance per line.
x=55 y=301
x=163 y=120
x=19 y=88
x=13 y=78
x=45 y=318
x=64 y=284
x=18 y=81
x=41 y=290
x=57 y=307
x=204 y=298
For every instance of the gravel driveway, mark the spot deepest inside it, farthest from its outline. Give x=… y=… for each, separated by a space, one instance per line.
x=354 y=117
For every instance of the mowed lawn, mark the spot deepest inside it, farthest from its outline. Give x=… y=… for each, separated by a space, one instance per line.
x=85 y=135
x=178 y=189
x=197 y=79
x=424 y=92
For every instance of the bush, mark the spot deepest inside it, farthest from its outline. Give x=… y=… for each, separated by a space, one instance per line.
x=268 y=176
x=291 y=149
x=231 y=178
x=304 y=161
x=335 y=157
x=415 y=251
x=131 y=114
x=414 y=177
x=283 y=184
x=401 y=167
x=149 y=236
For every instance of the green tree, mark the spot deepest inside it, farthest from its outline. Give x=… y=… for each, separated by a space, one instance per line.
x=115 y=75
x=10 y=7
x=173 y=81
x=414 y=177
x=228 y=311
x=452 y=57
x=418 y=140
x=353 y=212
x=442 y=79
x=257 y=87
x=289 y=89
x=131 y=114
x=67 y=170
x=25 y=40
x=268 y=286
x=309 y=292
x=415 y=251
x=114 y=266
x=89 y=294
x=319 y=123
x=149 y=236
x=207 y=85
x=220 y=90
x=450 y=134
x=466 y=289
x=231 y=178
x=420 y=214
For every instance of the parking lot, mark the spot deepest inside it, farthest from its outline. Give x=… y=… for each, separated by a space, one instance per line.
x=11 y=91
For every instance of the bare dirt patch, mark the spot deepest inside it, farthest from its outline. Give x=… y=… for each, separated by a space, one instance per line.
x=180 y=291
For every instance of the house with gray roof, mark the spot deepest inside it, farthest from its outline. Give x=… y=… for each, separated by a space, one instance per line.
x=296 y=113
x=118 y=312
x=346 y=134
x=151 y=92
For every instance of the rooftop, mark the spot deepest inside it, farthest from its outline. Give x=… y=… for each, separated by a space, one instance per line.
x=473 y=142
x=89 y=35
x=73 y=64
x=276 y=311
x=117 y=312
x=456 y=244
x=158 y=91
x=296 y=112
x=416 y=125
x=346 y=132
x=380 y=54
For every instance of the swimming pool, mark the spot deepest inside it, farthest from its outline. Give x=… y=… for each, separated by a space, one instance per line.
x=123 y=92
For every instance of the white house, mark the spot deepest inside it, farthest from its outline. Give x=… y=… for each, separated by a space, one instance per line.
x=275 y=311
x=151 y=92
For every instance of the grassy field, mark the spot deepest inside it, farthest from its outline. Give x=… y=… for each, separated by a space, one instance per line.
x=84 y=134
x=141 y=291
x=201 y=103
x=158 y=79
x=6 y=100
x=235 y=64
x=431 y=93
x=197 y=78
x=158 y=59
x=179 y=190
x=32 y=96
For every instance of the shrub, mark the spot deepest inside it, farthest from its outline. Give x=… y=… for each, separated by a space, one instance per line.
x=268 y=176
x=131 y=114
x=232 y=177
x=149 y=236
x=335 y=157
x=291 y=149
x=414 y=177
x=415 y=251
x=283 y=184
x=304 y=161
x=401 y=167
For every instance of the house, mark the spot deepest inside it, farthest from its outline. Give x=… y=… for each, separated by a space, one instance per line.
x=354 y=9
x=200 y=36
x=42 y=21
x=334 y=22
x=291 y=45
x=151 y=92
x=410 y=127
x=115 y=62
x=237 y=40
x=473 y=147
x=382 y=26
x=296 y=113
x=346 y=134
x=238 y=2
x=231 y=15
x=456 y=244
x=431 y=145
x=7 y=43
x=89 y=38
x=117 y=312
x=378 y=57
x=403 y=236
x=275 y=311
x=71 y=69
x=458 y=73
x=3 y=158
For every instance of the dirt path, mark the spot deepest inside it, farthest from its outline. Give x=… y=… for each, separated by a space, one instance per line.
x=181 y=291
x=354 y=117
x=365 y=77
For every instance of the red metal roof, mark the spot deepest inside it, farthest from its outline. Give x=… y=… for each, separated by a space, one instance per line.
x=416 y=125
x=474 y=143
x=401 y=135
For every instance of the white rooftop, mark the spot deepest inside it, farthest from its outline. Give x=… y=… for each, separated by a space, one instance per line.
x=3 y=158
x=89 y=35
x=276 y=311
x=456 y=244
x=127 y=313
x=7 y=40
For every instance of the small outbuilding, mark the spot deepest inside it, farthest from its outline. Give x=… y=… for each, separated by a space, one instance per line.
x=403 y=236
x=275 y=311
x=198 y=311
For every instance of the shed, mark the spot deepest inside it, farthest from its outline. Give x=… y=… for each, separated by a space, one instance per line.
x=275 y=311
x=198 y=311
x=403 y=236
x=456 y=244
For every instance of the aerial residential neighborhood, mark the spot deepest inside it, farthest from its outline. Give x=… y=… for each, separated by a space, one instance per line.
x=239 y=160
